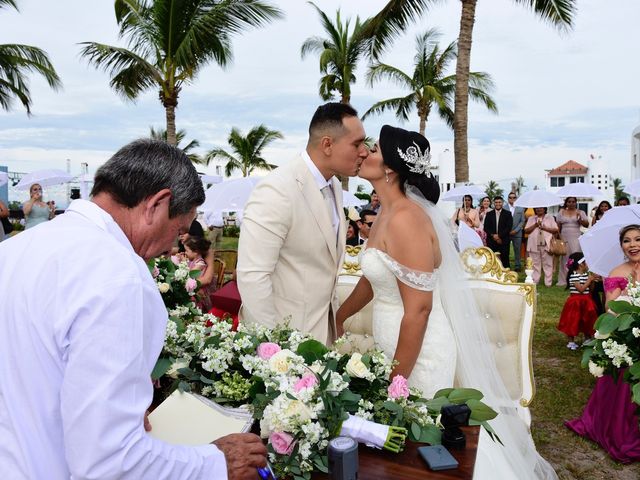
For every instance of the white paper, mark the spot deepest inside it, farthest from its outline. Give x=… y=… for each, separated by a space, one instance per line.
x=187 y=419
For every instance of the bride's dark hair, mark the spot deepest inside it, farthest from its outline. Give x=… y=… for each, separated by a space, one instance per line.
x=408 y=154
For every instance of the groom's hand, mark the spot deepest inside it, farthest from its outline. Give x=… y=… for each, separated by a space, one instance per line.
x=244 y=453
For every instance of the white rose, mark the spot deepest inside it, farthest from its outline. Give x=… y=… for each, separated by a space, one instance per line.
x=601 y=336
x=298 y=410
x=636 y=332
x=595 y=370
x=163 y=287
x=177 y=365
x=355 y=367
x=279 y=362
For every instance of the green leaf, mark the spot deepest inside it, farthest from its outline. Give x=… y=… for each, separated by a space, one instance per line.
x=626 y=321
x=461 y=395
x=416 y=432
x=184 y=387
x=620 y=306
x=392 y=406
x=586 y=356
x=162 y=366
x=607 y=323
x=312 y=350
x=481 y=411
x=635 y=369
x=444 y=392
x=436 y=404
x=431 y=435
x=347 y=396
x=636 y=393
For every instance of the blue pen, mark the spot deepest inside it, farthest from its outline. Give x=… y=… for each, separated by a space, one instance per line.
x=267 y=473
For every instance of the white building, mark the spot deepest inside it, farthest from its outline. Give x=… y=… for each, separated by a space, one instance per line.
x=595 y=173
x=635 y=154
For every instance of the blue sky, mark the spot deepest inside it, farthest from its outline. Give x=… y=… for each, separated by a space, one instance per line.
x=561 y=95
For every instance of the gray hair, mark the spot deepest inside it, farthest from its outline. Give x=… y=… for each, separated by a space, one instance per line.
x=142 y=168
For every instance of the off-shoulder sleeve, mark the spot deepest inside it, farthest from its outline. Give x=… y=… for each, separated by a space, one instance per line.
x=425 y=281
x=611 y=283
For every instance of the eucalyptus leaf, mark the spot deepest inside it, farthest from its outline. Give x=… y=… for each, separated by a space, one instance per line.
x=461 y=395
x=620 y=306
x=481 y=411
x=162 y=366
x=312 y=350
x=416 y=431
x=607 y=323
x=431 y=435
x=586 y=356
x=443 y=392
x=626 y=320
x=636 y=393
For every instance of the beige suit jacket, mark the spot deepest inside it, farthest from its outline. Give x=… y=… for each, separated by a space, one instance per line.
x=288 y=254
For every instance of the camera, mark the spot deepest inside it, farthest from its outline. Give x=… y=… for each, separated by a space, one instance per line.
x=452 y=418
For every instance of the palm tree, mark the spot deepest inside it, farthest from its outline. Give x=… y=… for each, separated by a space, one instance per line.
x=518 y=186
x=339 y=55
x=397 y=14
x=247 y=150
x=428 y=85
x=618 y=189
x=161 y=134
x=170 y=41
x=16 y=61
x=493 y=190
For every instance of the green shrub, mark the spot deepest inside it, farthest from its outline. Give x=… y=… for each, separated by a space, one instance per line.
x=231 y=231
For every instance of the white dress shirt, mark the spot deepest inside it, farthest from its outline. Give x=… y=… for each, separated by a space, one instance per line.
x=214 y=219
x=322 y=182
x=81 y=326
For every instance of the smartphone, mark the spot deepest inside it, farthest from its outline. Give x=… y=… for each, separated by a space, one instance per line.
x=438 y=457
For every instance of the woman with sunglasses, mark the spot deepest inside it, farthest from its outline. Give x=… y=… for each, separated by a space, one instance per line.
x=35 y=210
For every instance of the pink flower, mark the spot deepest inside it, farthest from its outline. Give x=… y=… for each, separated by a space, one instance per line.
x=398 y=387
x=175 y=260
x=267 y=350
x=307 y=381
x=282 y=442
x=155 y=272
x=190 y=285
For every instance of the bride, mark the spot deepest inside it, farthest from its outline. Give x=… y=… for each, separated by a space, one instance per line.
x=424 y=316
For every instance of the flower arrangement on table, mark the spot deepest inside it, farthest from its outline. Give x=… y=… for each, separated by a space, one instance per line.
x=301 y=392
x=616 y=343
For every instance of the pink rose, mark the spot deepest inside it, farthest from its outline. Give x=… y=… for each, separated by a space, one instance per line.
x=398 y=387
x=307 y=381
x=190 y=285
x=155 y=272
x=282 y=442
x=267 y=350
x=175 y=260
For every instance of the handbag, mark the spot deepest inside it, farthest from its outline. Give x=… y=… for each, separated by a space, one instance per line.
x=7 y=226
x=557 y=246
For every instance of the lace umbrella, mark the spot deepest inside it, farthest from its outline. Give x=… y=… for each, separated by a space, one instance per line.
x=44 y=178
x=601 y=243
x=537 y=199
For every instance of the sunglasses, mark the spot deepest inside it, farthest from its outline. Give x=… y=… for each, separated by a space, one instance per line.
x=368 y=224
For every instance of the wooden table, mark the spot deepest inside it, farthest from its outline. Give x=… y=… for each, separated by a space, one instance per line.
x=409 y=465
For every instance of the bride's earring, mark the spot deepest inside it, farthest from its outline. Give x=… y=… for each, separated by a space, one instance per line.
x=386 y=176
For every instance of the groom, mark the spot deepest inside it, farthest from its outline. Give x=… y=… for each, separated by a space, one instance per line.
x=293 y=234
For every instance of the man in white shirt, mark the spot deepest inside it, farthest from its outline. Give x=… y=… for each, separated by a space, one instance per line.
x=81 y=327
x=293 y=235
x=215 y=224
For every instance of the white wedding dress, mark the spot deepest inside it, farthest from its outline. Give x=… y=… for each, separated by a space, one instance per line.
x=436 y=365
x=455 y=347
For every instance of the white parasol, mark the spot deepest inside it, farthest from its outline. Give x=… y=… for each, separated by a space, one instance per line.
x=44 y=178
x=230 y=195
x=537 y=198
x=211 y=179
x=633 y=188
x=350 y=200
x=579 y=190
x=601 y=243
x=456 y=194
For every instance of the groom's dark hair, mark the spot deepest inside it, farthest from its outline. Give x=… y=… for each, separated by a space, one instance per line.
x=328 y=119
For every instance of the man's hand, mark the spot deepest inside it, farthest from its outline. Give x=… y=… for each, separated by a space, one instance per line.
x=244 y=453
x=147 y=423
x=512 y=233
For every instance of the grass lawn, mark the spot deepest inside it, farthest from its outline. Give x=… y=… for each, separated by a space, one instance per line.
x=229 y=243
x=562 y=390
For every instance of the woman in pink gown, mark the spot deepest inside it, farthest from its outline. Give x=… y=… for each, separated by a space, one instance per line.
x=610 y=416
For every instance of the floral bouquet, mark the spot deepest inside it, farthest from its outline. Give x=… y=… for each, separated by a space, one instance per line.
x=176 y=281
x=616 y=343
x=301 y=392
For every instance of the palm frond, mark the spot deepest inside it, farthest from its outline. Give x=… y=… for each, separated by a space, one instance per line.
x=392 y=21
x=559 y=13
x=9 y=3
x=401 y=105
x=382 y=70
x=16 y=62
